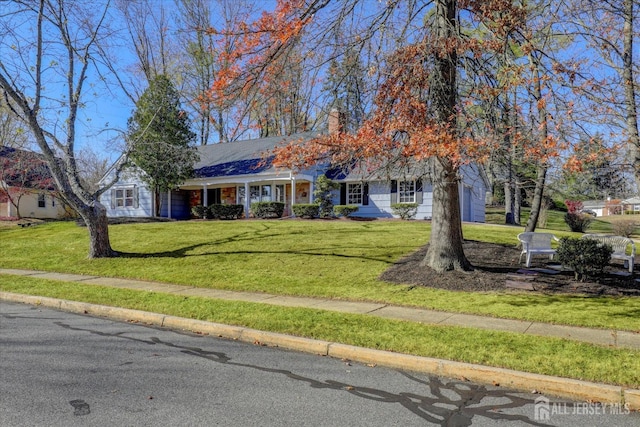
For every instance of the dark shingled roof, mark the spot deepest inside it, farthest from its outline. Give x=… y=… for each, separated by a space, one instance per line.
x=32 y=172
x=241 y=157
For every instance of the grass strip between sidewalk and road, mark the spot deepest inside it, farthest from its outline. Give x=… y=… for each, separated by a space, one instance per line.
x=542 y=355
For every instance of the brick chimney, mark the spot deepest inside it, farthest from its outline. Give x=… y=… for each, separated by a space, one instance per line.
x=335 y=121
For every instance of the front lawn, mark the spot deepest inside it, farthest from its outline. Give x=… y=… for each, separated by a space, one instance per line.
x=336 y=259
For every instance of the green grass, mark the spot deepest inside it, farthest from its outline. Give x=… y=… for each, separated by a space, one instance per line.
x=555 y=220
x=549 y=356
x=332 y=259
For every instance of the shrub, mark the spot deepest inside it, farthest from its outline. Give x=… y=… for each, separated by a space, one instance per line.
x=323 y=194
x=267 y=209
x=200 y=211
x=405 y=210
x=345 y=210
x=226 y=211
x=586 y=257
x=306 y=210
x=578 y=222
x=625 y=228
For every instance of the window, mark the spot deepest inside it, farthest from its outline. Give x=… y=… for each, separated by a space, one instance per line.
x=254 y=193
x=241 y=195
x=280 y=193
x=354 y=194
x=406 y=191
x=265 y=196
x=124 y=197
x=41 y=201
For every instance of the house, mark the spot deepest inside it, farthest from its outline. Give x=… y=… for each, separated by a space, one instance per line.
x=599 y=207
x=631 y=205
x=230 y=173
x=26 y=186
x=239 y=173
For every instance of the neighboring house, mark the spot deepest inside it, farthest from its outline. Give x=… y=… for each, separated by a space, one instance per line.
x=631 y=205
x=25 y=180
x=599 y=207
x=239 y=173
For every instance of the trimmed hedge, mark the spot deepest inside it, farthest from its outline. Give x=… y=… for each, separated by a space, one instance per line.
x=345 y=210
x=200 y=211
x=226 y=211
x=267 y=209
x=405 y=210
x=306 y=210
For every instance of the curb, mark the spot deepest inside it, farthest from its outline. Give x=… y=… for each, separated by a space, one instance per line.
x=544 y=384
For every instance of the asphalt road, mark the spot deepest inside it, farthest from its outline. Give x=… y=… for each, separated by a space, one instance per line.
x=61 y=369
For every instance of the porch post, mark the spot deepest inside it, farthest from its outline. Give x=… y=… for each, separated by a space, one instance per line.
x=169 y=204
x=205 y=198
x=293 y=194
x=247 y=197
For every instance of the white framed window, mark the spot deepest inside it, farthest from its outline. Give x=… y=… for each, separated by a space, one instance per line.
x=265 y=194
x=280 y=193
x=354 y=193
x=124 y=197
x=254 y=193
x=241 y=195
x=42 y=201
x=406 y=191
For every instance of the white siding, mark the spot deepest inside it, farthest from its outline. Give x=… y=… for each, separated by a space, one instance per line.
x=144 y=205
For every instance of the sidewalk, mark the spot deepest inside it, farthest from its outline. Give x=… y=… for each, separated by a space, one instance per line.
x=524 y=381
x=606 y=337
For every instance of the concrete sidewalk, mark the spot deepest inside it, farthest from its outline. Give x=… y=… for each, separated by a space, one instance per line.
x=606 y=337
x=627 y=398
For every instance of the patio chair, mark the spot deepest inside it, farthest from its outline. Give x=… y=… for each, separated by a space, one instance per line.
x=536 y=244
x=619 y=245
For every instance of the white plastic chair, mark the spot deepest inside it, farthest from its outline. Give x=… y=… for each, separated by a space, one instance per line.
x=619 y=245
x=536 y=244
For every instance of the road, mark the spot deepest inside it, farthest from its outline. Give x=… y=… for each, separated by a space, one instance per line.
x=61 y=369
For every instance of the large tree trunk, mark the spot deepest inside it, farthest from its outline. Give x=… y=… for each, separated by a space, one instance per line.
x=445 y=245
x=445 y=248
x=97 y=224
x=630 y=92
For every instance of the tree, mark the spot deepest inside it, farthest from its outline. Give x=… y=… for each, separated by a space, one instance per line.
x=610 y=27
x=420 y=99
x=56 y=54
x=159 y=138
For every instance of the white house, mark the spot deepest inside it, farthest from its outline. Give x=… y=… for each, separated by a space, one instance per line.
x=26 y=186
x=242 y=173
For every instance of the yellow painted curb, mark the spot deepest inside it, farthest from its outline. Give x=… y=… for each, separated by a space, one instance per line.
x=290 y=342
x=201 y=326
x=556 y=386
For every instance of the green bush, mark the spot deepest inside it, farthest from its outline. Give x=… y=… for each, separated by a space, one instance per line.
x=200 y=211
x=226 y=211
x=267 y=209
x=405 y=210
x=323 y=194
x=306 y=210
x=578 y=222
x=586 y=257
x=345 y=210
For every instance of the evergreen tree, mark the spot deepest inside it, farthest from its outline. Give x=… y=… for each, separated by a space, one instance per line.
x=159 y=138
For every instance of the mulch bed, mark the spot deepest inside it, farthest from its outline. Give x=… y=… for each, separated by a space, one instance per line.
x=497 y=265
